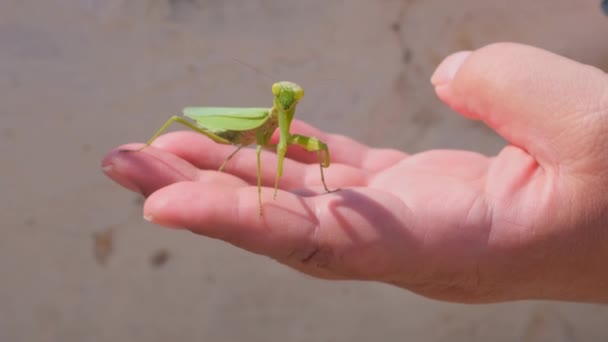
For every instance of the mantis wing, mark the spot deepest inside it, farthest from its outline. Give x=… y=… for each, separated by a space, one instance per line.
x=228 y=118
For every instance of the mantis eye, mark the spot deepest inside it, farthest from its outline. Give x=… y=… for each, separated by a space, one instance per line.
x=299 y=94
x=276 y=89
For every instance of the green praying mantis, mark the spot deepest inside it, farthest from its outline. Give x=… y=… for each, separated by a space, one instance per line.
x=245 y=126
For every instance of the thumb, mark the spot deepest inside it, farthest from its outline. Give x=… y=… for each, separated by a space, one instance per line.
x=550 y=106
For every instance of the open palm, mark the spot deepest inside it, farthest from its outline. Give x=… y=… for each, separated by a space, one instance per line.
x=452 y=225
x=425 y=215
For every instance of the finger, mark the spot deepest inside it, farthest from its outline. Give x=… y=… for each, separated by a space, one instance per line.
x=151 y=169
x=206 y=154
x=331 y=235
x=548 y=105
x=343 y=150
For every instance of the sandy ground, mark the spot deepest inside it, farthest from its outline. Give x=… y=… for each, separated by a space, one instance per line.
x=78 y=78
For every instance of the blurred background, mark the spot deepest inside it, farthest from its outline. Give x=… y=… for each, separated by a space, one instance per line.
x=79 y=77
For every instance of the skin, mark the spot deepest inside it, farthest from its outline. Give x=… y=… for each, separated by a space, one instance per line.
x=530 y=222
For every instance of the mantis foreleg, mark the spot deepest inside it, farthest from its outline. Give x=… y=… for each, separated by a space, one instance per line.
x=314 y=145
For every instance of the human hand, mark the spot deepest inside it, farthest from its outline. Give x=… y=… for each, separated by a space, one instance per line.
x=451 y=225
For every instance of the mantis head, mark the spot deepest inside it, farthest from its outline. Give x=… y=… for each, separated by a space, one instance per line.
x=286 y=94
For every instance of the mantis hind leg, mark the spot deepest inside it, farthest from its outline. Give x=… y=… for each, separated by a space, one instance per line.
x=183 y=121
x=314 y=145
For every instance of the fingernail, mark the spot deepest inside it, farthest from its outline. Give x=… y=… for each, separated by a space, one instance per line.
x=148 y=218
x=448 y=68
x=119 y=178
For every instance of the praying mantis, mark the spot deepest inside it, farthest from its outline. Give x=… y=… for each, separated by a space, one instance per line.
x=245 y=126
